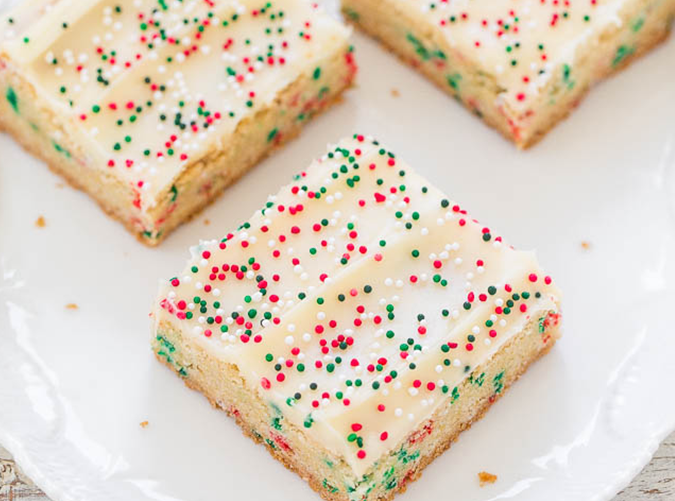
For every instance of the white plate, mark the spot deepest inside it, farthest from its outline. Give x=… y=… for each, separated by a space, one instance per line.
x=75 y=384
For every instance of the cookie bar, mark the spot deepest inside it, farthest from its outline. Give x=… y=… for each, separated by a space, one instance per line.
x=154 y=107
x=357 y=323
x=521 y=66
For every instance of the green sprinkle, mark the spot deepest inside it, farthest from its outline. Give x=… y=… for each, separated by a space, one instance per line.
x=637 y=24
x=12 y=99
x=453 y=80
x=622 y=52
x=272 y=134
x=61 y=149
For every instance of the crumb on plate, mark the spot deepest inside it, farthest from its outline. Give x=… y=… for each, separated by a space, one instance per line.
x=144 y=424
x=486 y=478
x=40 y=222
x=585 y=245
x=72 y=306
x=395 y=93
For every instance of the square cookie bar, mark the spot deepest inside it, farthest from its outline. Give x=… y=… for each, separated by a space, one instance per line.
x=357 y=323
x=154 y=107
x=521 y=65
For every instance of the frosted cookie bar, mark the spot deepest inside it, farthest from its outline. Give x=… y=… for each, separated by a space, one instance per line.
x=521 y=66
x=357 y=323
x=154 y=107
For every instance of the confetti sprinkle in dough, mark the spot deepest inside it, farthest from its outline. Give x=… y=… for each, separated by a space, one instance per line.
x=154 y=107
x=520 y=65
x=357 y=323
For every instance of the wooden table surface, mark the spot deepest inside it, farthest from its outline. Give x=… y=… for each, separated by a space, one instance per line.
x=655 y=483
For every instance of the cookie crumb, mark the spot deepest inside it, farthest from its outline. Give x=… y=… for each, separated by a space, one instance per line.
x=486 y=478
x=207 y=222
x=144 y=424
x=72 y=306
x=395 y=93
x=585 y=245
x=60 y=185
x=40 y=222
